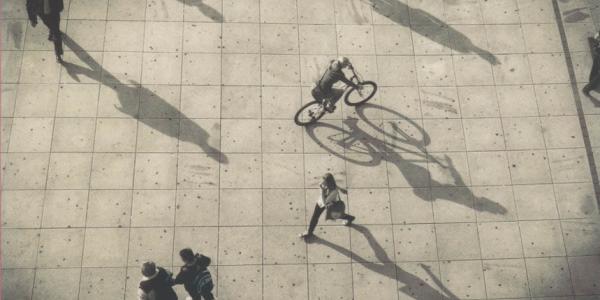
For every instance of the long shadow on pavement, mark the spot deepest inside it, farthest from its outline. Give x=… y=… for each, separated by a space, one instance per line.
x=130 y=104
x=377 y=150
x=207 y=10
x=414 y=286
x=428 y=26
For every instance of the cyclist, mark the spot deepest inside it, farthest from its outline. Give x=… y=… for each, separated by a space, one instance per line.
x=323 y=91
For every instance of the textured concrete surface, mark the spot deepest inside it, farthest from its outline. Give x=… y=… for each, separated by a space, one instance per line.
x=171 y=126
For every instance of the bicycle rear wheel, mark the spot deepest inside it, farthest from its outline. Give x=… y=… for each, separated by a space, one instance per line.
x=354 y=97
x=309 y=113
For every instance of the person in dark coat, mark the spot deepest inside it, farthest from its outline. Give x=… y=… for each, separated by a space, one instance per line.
x=156 y=284
x=49 y=11
x=194 y=275
x=595 y=72
x=330 y=197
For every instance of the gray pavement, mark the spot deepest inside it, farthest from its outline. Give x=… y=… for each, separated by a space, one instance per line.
x=471 y=173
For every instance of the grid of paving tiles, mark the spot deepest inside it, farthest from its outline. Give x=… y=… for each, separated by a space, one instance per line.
x=171 y=126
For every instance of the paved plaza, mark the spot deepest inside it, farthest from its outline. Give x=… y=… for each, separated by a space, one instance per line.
x=471 y=172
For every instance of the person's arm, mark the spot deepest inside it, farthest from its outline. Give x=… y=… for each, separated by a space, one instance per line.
x=142 y=295
x=180 y=278
x=31 y=12
x=348 y=82
x=343 y=190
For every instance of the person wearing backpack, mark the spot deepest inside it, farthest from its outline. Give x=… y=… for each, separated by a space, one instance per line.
x=156 y=284
x=194 y=275
x=330 y=200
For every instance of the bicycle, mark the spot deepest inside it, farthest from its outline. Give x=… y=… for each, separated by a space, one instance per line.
x=313 y=111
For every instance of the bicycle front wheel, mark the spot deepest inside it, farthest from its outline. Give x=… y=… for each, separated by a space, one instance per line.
x=354 y=97
x=309 y=113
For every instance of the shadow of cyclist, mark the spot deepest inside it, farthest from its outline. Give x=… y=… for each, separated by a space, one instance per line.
x=416 y=175
x=129 y=102
x=414 y=286
x=427 y=25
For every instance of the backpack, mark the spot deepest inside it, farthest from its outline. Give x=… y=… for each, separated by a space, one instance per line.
x=203 y=282
x=335 y=210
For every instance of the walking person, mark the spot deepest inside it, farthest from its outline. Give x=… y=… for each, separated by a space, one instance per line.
x=595 y=72
x=156 y=284
x=49 y=11
x=330 y=200
x=194 y=275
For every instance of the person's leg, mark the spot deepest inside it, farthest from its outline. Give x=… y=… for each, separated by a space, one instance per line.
x=594 y=79
x=53 y=23
x=208 y=296
x=315 y=219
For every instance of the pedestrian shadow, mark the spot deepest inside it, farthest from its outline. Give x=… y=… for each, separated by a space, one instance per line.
x=130 y=102
x=207 y=10
x=15 y=28
x=393 y=147
x=414 y=286
x=427 y=25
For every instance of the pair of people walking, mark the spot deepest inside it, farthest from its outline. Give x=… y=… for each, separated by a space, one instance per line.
x=331 y=202
x=157 y=283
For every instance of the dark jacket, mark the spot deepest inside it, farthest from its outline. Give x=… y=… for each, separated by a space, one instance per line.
x=161 y=284
x=36 y=8
x=188 y=273
x=330 y=77
x=595 y=46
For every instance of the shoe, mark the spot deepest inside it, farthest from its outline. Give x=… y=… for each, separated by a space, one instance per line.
x=305 y=235
x=59 y=59
x=349 y=222
x=586 y=91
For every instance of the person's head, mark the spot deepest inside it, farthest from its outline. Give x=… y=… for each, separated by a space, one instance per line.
x=187 y=255
x=341 y=62
x=329 y=181
x=149 y=269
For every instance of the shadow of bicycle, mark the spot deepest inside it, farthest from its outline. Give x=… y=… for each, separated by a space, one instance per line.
x=393 y=142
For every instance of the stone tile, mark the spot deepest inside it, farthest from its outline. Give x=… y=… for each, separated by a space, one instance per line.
x=240 y=245
x=77 y=100
x=19 y=248
x=240 y=136
x=282 y=245
x=418 y=280
x=535 y=202
x=155 y=244
x=280 y=70
x=155 y=171
x=316 y=12
x=35 y=100
x=273 y=11
x=242 y=171
x=372 y=243
x=17 y=283
x=483 y=134
x=445 y=135
x=506 y=38
x=163 y=68
x=283 y=170
x=562 y=132
x=542 y=38
x=393 y=40
x=318 y=274
x=284 y=207
x=472 y=70
x=197 y=208
x=153 y=208
x=529 y=167
x=241 y=102
x=374 y=280
x=31 y=135
x=331 y=245
x=100 y=283
x=118 y=101
x=281 y=136
x=65 y=208
x=429 y=38
x=240 y=207
x=489 y=168
x=88 y=9
x=396 y=71
x=60 y=248
x=9 y=98
x=457 y=241
x=195 y=171
x=200 y=135
x=240 y=69
x=25 y=170
x=440 y=102
x=415 y=242
x=124 y=35
x=548 y=276
x=69 y=171
x=582 y=274
x=523 y=133
x=369 y=206
x=555 y=100
x=500 y=240
x=542 y=238
x=109 y=208
x=206 y=106
x=12 y=59
x=192 y=62
x=97 y=240
x=201 y=37
x=317 y=39
x=5 y=128
x=279 y=38
x=240 y=282
x=536 y=11
x=203 y=11
x=400 y=102
x=90 y=35
x=126 y=10
x=569 y=165
x=285 y=282
x=408 y=206
x=548 y=68
x=581 y=236
x=478 y=101
x=435 y=70
x=112 y=171
x=506 y=278
x=575 y=200
x=22 y=209
x=240 y=37
x=122 y=67
x=449 y=169
x=73 y=135
x=464 y=278
x=365 y=176
x=241 y=11
x=352 y=12
x=512 y=69
x=157 y=135
x=500 y=11
x=46 y=281
x=517 y=101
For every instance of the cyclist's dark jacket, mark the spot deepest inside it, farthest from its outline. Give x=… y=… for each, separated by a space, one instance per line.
x=161 y=284
x=331 y=76
x=189 y=272
x=595 y=43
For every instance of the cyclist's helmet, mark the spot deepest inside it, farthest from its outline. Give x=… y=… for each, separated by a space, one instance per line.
x=344 y=61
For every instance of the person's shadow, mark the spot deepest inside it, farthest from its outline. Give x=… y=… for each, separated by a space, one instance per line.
x=414 y=286
x=186 y=131
x=429 y=26
x=207 y=10
x=378 y=150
